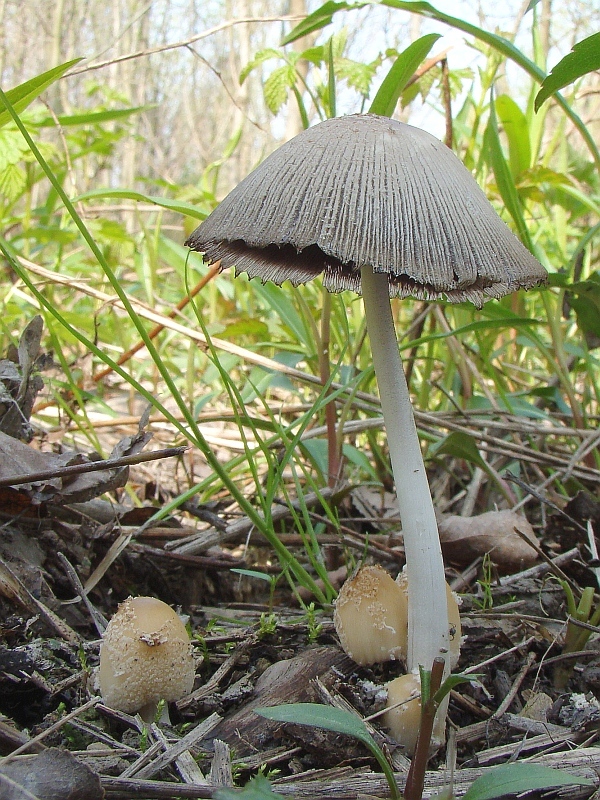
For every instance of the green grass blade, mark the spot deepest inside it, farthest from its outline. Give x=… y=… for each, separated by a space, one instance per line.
x=504 y=179
x=164 y=202
x=401 y=71
x=24 y=94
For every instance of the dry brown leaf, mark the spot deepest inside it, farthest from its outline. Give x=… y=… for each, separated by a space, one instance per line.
x=466 y=538
x=17 y=458
x=20 y=381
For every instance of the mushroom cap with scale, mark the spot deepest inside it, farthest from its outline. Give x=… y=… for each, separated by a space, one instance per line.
x=365 y=190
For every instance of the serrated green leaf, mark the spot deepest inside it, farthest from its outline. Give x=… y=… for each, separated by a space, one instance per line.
x=12 y=148
x=24 y=94
x=257 y=788
x=356 y=74
x=259 y=58
x=401 y=71
x=584 y=58
x=277 y=86
x=172 y=205
x=13 y=180
x=317 y=20
x=516 y=129
x=315 y=55
x=512 y=779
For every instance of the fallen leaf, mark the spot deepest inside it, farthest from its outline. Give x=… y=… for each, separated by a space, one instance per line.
x=464 y=539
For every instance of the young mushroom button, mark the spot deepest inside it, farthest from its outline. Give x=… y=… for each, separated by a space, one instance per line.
x=384 y=209
x=145 y=657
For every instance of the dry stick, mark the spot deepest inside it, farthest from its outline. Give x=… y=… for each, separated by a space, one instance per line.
x=475 y=669
x=92 y=466
x=174 y=45
x=543 y=499
x=506 y=703
x=98 y=618
x=540 y=569
x=556 y=570
x=214 y=270
x=57 y=726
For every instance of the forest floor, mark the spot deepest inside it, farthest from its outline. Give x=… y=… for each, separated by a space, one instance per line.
x=255 y=646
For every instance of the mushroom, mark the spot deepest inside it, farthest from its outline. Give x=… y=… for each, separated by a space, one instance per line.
x=385 y=209
x=403 y=714
x=146 y=656
x=371 y=617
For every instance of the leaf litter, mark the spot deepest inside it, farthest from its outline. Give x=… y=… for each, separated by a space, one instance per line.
x=73 y=546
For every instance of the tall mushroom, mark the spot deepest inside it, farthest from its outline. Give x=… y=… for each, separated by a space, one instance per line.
x=385 y=209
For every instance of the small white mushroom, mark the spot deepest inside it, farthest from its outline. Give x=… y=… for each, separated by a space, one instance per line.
x=403 y=715
x=404 y=710
x=371 y=617
x=145 y=657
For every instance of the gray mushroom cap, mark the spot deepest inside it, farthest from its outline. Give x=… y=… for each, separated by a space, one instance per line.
x=367 y=190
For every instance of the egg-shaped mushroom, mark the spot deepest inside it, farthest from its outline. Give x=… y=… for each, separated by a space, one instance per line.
x=145 y=657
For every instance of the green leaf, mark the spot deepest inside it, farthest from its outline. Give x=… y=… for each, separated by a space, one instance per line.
x=403 y=68
x=584 y=58
x=92 y=117
x=317 y=20
x=357 y=75
x=257 y=788
x=461 y=445
x=513 y=779
x=319 y=716
x=504 y=179
x=13 y=180
x=24 y=94
x=126 y=194
x=451 y=682
x=259 y=58
x=251 y=573
x=277 y=85
x=516 y=129
x=334 y=719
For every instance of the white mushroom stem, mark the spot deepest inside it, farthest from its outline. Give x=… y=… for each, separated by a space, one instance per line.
x=427 y=604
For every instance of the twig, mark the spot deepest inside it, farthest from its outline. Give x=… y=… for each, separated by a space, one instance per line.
x=183 y=43
x=506 y=703
x=98 y=619
x=92 y=466
x=52 y=729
